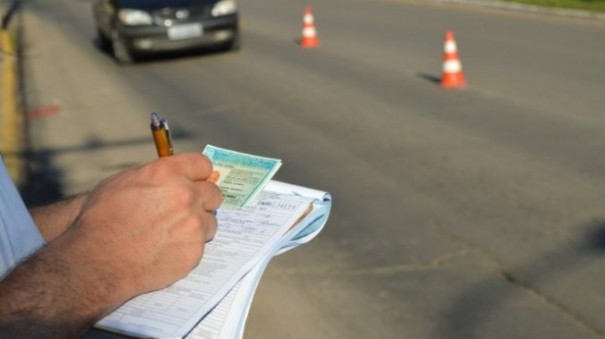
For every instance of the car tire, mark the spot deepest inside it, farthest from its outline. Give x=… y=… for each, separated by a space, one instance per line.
x=104 y=41
x=235 y=44
x=120 y=52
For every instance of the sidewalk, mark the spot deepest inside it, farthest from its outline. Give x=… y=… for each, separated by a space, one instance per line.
x=76 y=136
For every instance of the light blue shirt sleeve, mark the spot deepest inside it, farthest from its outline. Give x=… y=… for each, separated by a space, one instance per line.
x=19 y=236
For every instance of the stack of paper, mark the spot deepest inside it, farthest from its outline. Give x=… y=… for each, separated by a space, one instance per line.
x=228 y=319
x=214 y=299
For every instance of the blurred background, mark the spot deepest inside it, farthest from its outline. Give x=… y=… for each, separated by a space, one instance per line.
x=467 y=173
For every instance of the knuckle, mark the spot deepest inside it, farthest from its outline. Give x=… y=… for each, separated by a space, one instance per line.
x=158 y=170
x=211 y=226
x=213 y=196
x=206 y=164
x=220 y=198
x=186 y=196
x=181 y=197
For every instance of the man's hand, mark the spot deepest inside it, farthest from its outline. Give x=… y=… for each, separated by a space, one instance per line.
x=147 y=227
x=139 y=230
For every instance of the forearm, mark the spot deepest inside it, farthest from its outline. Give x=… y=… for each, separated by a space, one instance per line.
x=52 y=220
x=57 y=293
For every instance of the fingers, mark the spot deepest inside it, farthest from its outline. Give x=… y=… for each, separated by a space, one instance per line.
x=194 y=166
x=212 y=224
x=214 y=176
x=213 y=197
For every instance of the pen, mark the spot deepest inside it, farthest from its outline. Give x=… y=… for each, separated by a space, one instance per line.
x=161 y=135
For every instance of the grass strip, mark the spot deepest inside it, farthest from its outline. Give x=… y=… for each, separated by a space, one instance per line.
x=587 y=5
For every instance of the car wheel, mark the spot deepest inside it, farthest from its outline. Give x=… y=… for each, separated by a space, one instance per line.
x=104 y=42
x=120 y=52
x=235 y=44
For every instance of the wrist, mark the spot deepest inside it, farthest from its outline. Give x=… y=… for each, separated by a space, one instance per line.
x=54 y=219
x=90 y=270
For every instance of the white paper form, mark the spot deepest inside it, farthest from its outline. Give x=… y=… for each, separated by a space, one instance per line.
x=228 y=319
x=225 y=321
x=245 y=236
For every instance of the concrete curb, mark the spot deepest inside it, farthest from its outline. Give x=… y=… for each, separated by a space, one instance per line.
x=498 y=4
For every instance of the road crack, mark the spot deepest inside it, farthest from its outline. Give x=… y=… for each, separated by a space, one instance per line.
x=517 y=282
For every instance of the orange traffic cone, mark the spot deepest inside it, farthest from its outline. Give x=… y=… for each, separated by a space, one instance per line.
x=309 y=34
x=452 y=76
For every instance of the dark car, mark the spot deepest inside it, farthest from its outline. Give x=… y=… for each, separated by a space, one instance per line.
x=135 y=27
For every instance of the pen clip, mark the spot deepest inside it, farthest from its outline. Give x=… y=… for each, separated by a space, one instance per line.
x=168 y=137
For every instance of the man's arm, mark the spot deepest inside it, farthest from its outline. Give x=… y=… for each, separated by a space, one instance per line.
x=138 y=231
x=54 y=219
x=57 y=293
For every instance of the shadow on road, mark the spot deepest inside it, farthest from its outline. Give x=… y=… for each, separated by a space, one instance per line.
x=476 y=305
x=44 y=179
x=429 y=77
x=43 y=182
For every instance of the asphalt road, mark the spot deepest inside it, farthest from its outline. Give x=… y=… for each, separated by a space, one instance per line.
x=475 y=213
